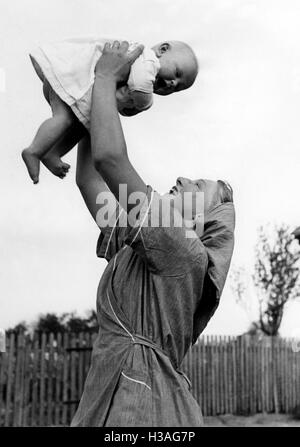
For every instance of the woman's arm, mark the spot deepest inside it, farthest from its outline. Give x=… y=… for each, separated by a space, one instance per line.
x=90 y=182
x=109 y=149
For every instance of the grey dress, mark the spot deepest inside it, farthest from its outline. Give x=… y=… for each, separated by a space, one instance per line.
x=155 y=297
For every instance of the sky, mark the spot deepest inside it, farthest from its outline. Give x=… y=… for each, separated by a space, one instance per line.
x=239 y=122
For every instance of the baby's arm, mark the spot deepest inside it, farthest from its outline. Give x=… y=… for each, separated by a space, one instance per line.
x=133 y=102
x=137 y=95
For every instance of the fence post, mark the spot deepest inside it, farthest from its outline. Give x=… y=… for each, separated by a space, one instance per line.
x=10 y=377
x=205 y=387
x=3 y=383
x=35 y=381
x=239 y=371
x=26 y=386
x=65 y=379
x=42 y=380
x=274 y=373
x=58 y=379
x=50 y=364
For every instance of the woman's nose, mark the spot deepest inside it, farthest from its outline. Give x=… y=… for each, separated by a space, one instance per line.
x=182 y=181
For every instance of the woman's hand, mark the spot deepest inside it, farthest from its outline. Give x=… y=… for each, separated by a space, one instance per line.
x=109 y=151
x=115 y=61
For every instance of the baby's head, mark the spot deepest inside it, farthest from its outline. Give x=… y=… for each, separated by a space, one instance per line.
x=178 y=67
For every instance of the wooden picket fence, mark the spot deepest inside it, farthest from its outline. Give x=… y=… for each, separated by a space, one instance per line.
x=42 y=377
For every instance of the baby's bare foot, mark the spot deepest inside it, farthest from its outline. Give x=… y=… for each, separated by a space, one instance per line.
x=32 y=163
x=56 y=166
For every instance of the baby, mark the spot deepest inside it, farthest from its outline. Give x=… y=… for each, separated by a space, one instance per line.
x=66 y=69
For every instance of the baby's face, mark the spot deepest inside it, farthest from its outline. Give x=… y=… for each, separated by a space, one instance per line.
x=178 y=68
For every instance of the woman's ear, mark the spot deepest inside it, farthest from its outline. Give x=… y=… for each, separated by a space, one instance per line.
x=164 y=47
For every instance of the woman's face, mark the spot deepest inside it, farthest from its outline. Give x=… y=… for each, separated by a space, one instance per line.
x=194 y=196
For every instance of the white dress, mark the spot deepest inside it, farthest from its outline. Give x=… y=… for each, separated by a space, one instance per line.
x=69 y=67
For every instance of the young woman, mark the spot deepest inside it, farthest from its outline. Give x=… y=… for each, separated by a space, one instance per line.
x=160 y=287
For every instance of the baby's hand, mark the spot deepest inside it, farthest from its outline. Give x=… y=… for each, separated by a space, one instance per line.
x=115 y=61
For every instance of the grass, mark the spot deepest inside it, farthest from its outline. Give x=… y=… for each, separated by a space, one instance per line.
x=257 y=420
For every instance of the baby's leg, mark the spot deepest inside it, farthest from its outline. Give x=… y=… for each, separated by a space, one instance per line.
x=52 y=159
x=47 y=135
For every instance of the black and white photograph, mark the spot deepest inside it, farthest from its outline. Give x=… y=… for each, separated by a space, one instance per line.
x=150 y=216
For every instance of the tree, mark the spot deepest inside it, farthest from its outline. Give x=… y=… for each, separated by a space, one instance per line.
x=67 y=322
x=276 y=277
x=50 y=323
x=296 y=234
x=20 y=327
x=238 y=278
x=92 y=320
x=77 y=324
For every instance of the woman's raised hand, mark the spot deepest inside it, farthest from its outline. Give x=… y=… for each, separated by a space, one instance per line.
x=115 y=61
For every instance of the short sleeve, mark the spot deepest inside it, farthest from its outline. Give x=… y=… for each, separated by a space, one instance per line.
x=161 y=238
x=112 y=239
x=143 y=72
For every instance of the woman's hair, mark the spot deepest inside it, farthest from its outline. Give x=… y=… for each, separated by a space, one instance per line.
x=226 y=191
